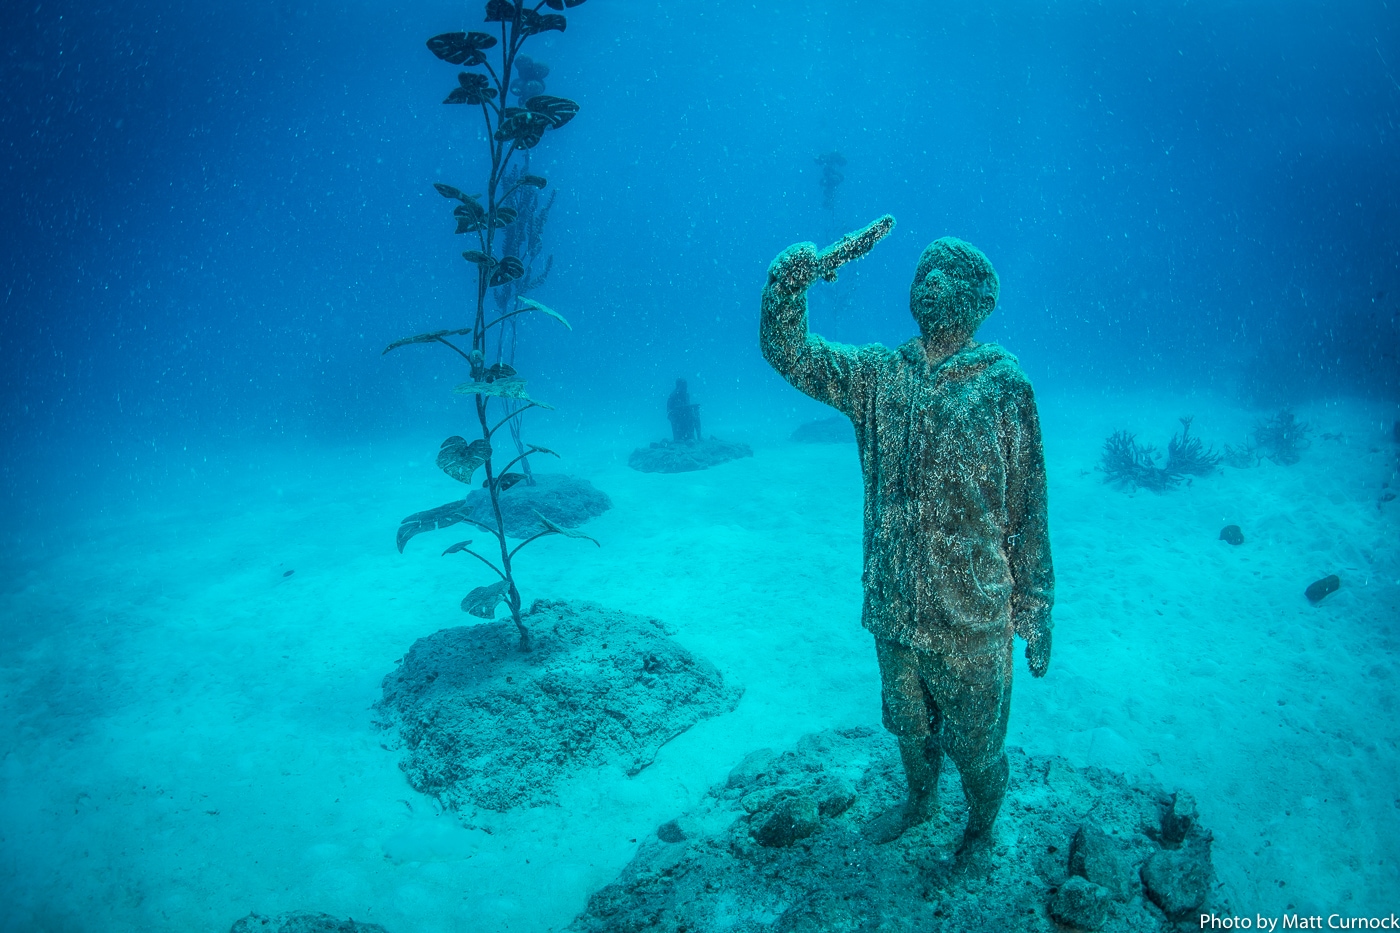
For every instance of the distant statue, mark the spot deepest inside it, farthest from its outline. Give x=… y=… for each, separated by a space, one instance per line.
x=831 y=163
x=684 y=414
x=957 y=551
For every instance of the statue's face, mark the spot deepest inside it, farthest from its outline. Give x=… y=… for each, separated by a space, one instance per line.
x=955 y=288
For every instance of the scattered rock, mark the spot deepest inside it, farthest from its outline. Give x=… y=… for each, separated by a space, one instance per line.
x=790 y=820
x=1080 y=903
x=1178 y=880
x=836 y=430
x=778 y=847
x=1094 y=856
x=686 y=456
x=302 y=921
x=1232 y=534
x=1179 y=820
x=677 y=830
x=1320 y=589
x=483 y=724
x=565 y=500
x=747 y=771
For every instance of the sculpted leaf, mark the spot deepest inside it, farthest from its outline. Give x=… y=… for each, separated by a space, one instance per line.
x=507 y=480
x=502 y=388
x=500 y=11
x=534 y=305
x=532 y=23
x=474 y=89
x=461 y=48
x=557 y=110
x=482 y=601
x=459 y=459
x=432 y=519
x=431 y=337
x=533 y=181
x=447 y=191
x=454 y=548
x=478 y=257
x=561 y=530
x=497 y=371
x=523 y=126
x=562 y=4
x=504 y=216
x=509 y=269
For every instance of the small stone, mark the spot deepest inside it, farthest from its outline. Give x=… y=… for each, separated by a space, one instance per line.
x=1094 y=856
x=792 y=820
x=1320 y=589
x=751 y=768
x=835 y=798
x=1177 y=880
x=1232 y=534
x=1178 y=819
x=1080 y=904
x=677 y=830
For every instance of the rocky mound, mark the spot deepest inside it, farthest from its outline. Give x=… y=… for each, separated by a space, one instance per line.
x=836 y=430
x=482 y=724
x=778 y=847
x=302 y=921
x=564 y=500
x=686 y=456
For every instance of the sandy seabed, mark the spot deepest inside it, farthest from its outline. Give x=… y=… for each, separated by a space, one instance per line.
x=185 y=734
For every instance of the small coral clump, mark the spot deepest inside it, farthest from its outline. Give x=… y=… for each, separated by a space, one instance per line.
x=1282 y=438
x=1129 y=464
x=1188 y=455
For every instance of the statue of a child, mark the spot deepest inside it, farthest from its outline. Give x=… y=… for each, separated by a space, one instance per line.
x=957 y=552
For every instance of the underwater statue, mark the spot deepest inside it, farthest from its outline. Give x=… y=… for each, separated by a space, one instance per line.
x=683 y=414
x=957 y=551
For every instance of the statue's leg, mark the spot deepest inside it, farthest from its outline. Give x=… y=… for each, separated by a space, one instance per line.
x=976 y=703
x=909 y=713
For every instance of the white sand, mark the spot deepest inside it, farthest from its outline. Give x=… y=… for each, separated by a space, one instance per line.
x=186 y=732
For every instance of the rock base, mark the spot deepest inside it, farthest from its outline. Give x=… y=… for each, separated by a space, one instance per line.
x=836 y=430
x=302 y=921
x=564 y=500
x=779 y=847
x=686 y=456
x=483 y=724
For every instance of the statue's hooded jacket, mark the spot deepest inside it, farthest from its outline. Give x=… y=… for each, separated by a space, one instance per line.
x=957 y=551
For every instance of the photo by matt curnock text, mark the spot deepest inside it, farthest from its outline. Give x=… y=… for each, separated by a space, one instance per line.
x=1299 y=922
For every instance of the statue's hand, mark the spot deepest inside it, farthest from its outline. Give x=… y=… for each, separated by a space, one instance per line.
x=1038 y=654
x=795 y=269
x=852 y=246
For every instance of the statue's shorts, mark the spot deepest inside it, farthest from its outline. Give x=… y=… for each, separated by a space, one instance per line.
x=962 y=706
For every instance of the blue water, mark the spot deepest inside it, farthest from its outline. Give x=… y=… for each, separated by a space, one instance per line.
x=214 y=219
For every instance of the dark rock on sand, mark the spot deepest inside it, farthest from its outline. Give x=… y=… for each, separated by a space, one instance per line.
x=565 y=500
x=1320 y=589
x=836 y=430
x=1232 y=534
x=301 y=921
x=1094 y=856
x=482 y=724
x=1178 y=880
x=686 y=456
x=777 y=847
x=1080 y=904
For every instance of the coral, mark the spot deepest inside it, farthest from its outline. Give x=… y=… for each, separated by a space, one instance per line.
x=1282 y=438
x=1243 y=457
x=1129 y=464
x=1186 y=454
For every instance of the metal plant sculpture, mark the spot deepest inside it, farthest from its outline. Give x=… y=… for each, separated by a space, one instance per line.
x=510 y=131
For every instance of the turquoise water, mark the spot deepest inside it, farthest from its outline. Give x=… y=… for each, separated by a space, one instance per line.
x=220 y=219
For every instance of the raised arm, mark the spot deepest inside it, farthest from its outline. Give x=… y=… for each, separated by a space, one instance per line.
x=828 y=372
